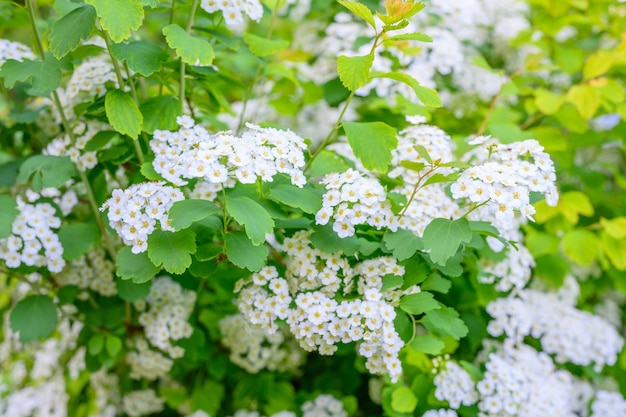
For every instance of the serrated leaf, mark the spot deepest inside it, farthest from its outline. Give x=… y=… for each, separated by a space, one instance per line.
x=360 y=10
x=252 y=216
x=118 y=17
x=263 y=47
x=131 y=291
x=304 y=198
x=67 y=32
x=354 y=71
x=100 y=140
x=372 y=143
x=242 y=253
x=413 y=166
x=426 y=343
x=78 y=239
x=142 y=57
x=136 y=267
x=8 y=213
x=191 y=50
x=46 y=171
x=419 y=303
x=403 y=243
x=123 y=113
x=183 y=213
x=420 y=37
x=428 y=96
x=326 y=239
x=46 y=75
x=423 y=152
x=444 y=237
x=160 y=113
x=581 y=246
x=445 y=322
x=403 y=400
x=172 y=249
x=34 y=317
x=439 y=178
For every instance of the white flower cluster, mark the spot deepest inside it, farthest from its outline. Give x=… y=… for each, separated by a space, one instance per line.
x=608 y=404
x=454 y=385
x=442 y=412
x=306 y=300
x=135 y=211
x=88 y=81
x=65 y=200
x=521 y=382
x=253 y=349
x=140 y=403
x=501 y=180
x=91 y=271
x=32 y=241
x=168 y=309
x=83 y=132
x=147 y=363
x=514 y=271
x=351 y=200
x=233 y=10
x=14 y=50
x=572 y=335
x=222 y=159
x=324 y=406
x=106 y=392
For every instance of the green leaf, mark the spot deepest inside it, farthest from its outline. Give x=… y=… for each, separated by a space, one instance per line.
x=428 y=96
x=191 y=50
x=136 y=267
x=304 y=198
x=160 y=113
x=100 y=140
x=445 y=322
x=78 y=239
x=113 y=345
x=615 y=249
x=130 y=291
x=402 y=243
x=46 y=171
x=419 y=303
x=34 y=317
x=548 y=102
x=436 y=282
x=172 y=249
x=46 y=75
x=123 y=113
x=585 y=98
x=444 y=236
x=372 y=143
x=327 y=162
x=390 y=281
x=539 y=243
x=403 y=400
x=262 y=47
x=183 y=213
x=149 y=173
x=210 y=403
x=360 y=10
x=324 y=238
x=67 y=32
x=242 y=253
x=597 y=64
x=581 y=246
x=118 y=17
x=95 y=344
x=420 y=37
x=354 y=71
x=142 y=57
x=8 y=213
x=427 y=344
x=252 y=216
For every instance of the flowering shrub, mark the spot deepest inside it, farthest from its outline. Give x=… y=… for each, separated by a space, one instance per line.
x=312 y=208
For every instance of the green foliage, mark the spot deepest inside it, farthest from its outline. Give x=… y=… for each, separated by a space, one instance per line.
x=142 y=57
x=172 y=249
x=34 y=317
x=45 y=75
x=185 y=212
x=419 y=303
x=443 y=237
x=132 y=291
x=372 y=143
x=402 y=243
x=354 y=71
x=360 y=10
x=252 y=216
x=8 y=213
x=135 y=267
x=445 y=322
x=263 y=47
x=118 y=17
x=427 y=344
x=403 y=400
x=160 y=113
x=67 y=32
x=428 y=96
x=191 y=50
x=123 y=113
x=242 y=252
x=46 y=171
x=78 y=239
x=306 y=198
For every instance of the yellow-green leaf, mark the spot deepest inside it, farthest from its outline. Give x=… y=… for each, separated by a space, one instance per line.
x=191 y=50
x=597 y=64
x=585 y=98
x=118 y=17
x=354 y=71
x=615 y=228
x=548 y=102
x=360 y=10
x=580 y=246
x=262 y=47
x=123 y=113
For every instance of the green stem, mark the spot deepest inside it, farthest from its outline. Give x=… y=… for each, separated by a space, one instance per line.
x=188 y=26
x=133 y=93
x=116 y=65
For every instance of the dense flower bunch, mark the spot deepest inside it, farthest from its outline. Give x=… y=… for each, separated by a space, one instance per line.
x=92 y=271
x=608 y=404
x=455 y=386
x=135 y=211
x=222 y=159
x=14 y=50
x=33 y=240
x=83 y=133
x=352 y=200
x=570 y=334
x=254 y=349
x=440 y=413
x=233 y=10
x=139 y=403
